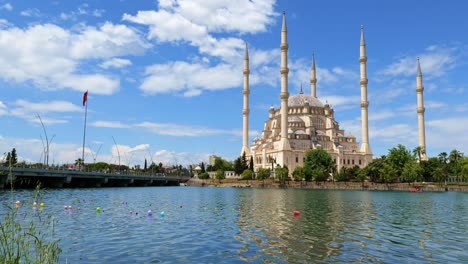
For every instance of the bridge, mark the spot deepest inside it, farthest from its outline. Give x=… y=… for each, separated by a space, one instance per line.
x=52 y=178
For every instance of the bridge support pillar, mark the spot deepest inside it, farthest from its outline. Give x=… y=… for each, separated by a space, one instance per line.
x=105 y=180
x=68 y=179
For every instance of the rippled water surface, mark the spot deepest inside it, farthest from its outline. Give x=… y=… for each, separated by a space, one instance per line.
x=229 y=225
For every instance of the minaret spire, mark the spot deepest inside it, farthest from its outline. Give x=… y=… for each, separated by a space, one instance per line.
x=420 y=110
x=365 y=147
x=313 y=77
x=245 y=110
x=284 y=86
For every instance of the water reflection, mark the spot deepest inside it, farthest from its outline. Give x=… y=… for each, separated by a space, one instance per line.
x=216 y=225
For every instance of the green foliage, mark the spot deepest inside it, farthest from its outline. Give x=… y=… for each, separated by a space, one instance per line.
x=220 y=174
x=14 y=157
x=238 y=166
x=263 y=173
x=348 y=174
x=251 y=163
x=26 y=238
x=247 y=175
x=202 y=166
x=241 y=164
x=99 y=167
x=282 y=174
x=298 y=173
x=398 y=157
x=204 y=175
x=412 y=172
x=454 y=159
x=388 y=173
x=221 y=164
x=439 y=175
x=318 y=164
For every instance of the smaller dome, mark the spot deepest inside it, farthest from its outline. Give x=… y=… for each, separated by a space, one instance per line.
x=300 y=132
x=290 y=131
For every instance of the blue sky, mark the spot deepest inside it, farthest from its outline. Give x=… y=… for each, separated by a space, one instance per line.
x=165 y=77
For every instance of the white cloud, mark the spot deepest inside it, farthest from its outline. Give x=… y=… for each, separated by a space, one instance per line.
x=109 y=124
x=31 y=12
x=29 y=110
x=182 y=130
x=83 y=9
x=381 y=115
x=115 y=63
x=49 y=56
x=447 y=133
x=7 y=7
x=3 y=109
x=342 y=102
x=194 y=21
x=188 y=79
x=435 y=62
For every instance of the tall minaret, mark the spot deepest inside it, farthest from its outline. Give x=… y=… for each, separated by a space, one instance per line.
x=420 y=110
x=245 y=110
x=284 y=85
x=365 y=147
x=313 y=77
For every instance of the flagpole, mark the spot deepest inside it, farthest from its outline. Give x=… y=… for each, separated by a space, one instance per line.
x=84 y=131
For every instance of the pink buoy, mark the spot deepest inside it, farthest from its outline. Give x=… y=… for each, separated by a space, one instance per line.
x=131 y=212
x=296 y=213
x=150 y=213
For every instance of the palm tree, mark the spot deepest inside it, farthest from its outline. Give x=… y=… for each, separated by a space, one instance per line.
x=79 y=163
x=454 y=158
x=418 y=151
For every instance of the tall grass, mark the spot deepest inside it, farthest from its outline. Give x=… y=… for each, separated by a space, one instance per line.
x=27 y=236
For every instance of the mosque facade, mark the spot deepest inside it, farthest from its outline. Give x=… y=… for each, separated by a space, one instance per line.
x=303 y=122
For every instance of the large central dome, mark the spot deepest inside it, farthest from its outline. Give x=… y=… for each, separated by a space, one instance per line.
x=301 y=99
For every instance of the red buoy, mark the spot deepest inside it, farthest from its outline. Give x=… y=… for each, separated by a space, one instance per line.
x=296 y=213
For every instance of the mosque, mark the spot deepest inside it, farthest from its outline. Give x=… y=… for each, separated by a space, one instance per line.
x=303 y=122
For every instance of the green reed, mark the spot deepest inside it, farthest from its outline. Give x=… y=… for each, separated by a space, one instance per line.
x=27 y=237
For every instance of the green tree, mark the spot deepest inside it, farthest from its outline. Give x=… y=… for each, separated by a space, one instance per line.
x=204 y=175
x=464 y=167
x=454 y=162
x=439 y=175
x=412 y=172
x=372 y=169
x=362 y=176
x=342 y=175
x=263 y=174
x=202 y=166
x=8 y=160
x=247 y=174
x=388 y=173
x=244 y=163
x=14 y=157
x=251 y=163
x=398 y=157
x=238 y=166
x=145 y=168
x=298 y=173
x=220 y=175
x=282 y=173
x=318 y=164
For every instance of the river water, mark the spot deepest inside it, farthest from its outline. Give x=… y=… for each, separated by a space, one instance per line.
x=232 y=225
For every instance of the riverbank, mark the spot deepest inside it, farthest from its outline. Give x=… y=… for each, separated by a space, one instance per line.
x=235 y=183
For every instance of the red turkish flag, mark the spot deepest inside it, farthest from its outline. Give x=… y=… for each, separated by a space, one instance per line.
x=85 y=98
